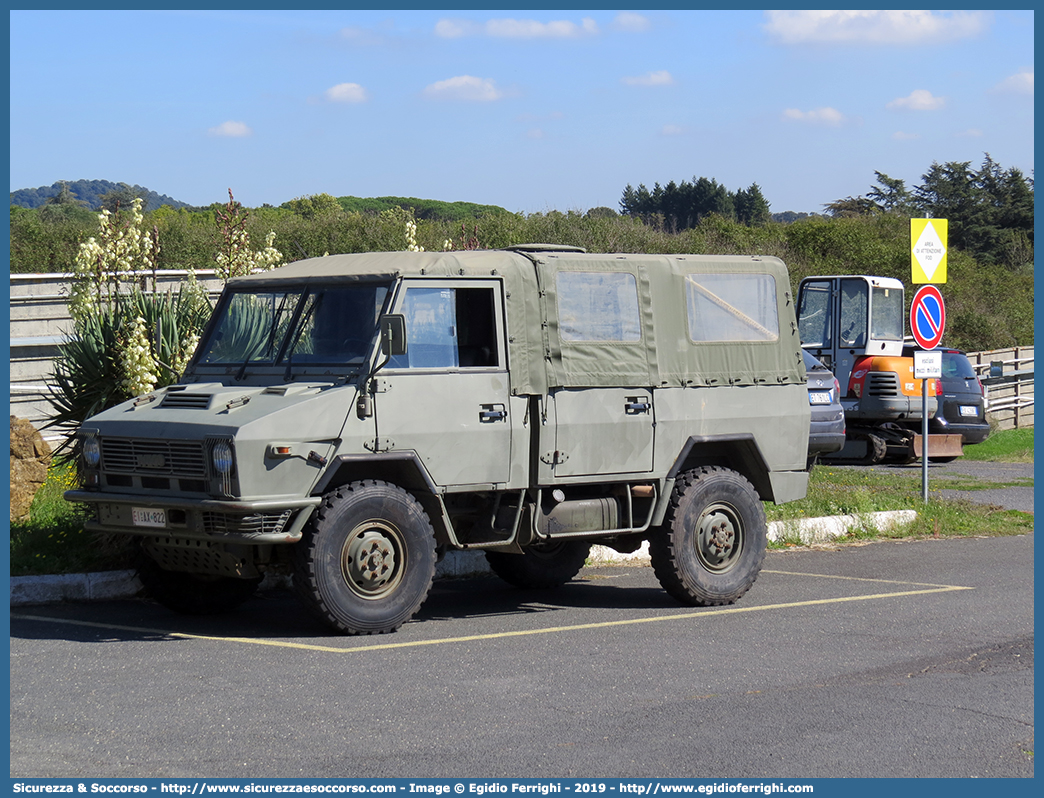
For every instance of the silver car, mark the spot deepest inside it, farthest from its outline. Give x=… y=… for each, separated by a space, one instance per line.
x=827 y=430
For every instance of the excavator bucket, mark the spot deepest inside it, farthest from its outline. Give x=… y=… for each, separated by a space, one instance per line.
x=939 y=446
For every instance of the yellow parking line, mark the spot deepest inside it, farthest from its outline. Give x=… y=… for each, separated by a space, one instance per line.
x=497 y=635
x=862 y=579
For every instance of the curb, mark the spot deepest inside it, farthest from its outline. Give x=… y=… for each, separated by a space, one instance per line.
x=108 y=585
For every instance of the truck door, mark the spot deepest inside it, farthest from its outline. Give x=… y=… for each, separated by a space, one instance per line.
x=602 y=429
x=447 y=398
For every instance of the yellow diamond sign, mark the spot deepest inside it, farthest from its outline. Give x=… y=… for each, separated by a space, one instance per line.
x=928 y=250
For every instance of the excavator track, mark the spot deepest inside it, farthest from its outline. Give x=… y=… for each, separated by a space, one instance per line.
x=862 y=447
x=887 y=442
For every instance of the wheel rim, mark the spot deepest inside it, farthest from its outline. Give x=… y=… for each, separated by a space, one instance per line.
x=719 y=538
x=373 y=559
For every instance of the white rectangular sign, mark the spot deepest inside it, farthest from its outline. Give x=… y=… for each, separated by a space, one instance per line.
x=927 y=364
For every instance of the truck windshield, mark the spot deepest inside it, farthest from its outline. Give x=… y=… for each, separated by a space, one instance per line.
x=320 y=325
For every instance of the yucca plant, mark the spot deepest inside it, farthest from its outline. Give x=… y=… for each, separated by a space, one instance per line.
x=91 y=368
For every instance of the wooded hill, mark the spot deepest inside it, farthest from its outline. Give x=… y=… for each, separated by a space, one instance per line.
x=90 y=194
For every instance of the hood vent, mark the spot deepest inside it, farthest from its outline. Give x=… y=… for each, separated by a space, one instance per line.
x=187 y=401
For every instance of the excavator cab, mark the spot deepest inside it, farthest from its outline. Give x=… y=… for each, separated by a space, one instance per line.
x=854 y=325
x=842 y=319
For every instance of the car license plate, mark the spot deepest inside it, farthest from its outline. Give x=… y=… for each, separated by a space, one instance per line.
x=819 y=397
x=970 y=410
x=145 y=517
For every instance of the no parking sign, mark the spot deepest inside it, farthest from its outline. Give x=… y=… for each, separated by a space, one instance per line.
x=927 y=317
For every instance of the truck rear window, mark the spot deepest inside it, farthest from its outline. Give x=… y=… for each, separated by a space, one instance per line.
x=732 y=307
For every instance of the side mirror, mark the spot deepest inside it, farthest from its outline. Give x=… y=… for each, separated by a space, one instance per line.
x=393 y=335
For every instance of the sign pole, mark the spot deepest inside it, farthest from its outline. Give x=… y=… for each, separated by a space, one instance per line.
x=928 y=240
x=924 y=440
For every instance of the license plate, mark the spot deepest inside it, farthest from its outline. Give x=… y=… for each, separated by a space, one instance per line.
x=819 y=397
x=970 y=410
x=144 y=517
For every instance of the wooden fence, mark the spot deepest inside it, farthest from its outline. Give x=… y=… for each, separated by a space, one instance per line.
x=1007 y=376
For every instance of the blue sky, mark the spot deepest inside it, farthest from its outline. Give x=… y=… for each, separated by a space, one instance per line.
x=530 y=110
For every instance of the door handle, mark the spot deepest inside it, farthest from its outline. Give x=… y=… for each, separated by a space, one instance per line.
x=636 y=405
x=490 y=414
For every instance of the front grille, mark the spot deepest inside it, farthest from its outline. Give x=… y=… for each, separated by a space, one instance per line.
x=180 y=458
x=882 y=383
x=259 y=524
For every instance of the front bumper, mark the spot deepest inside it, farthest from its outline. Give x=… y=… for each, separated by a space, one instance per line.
x=227 y=521
x=970 y=432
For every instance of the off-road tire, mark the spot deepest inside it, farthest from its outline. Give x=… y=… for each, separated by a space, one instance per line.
x=366 y=560
x=193 y=594
x=712 y=543
x=543 y=566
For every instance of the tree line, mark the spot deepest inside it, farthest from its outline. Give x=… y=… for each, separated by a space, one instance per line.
x=684 y=205
x=989 y=210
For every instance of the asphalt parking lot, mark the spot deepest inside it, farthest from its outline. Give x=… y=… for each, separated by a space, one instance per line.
x=890 y=659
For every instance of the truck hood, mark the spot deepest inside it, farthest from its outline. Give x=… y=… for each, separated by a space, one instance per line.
x=312 y=410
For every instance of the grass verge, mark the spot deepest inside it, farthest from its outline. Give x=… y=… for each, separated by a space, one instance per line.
x=859 y=491
x=1007 y=446
x=52 y=540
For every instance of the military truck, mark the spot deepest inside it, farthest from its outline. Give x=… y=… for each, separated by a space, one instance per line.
x=350 y=418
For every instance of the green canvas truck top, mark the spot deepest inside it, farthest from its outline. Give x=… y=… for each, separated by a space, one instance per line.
x=575 y=319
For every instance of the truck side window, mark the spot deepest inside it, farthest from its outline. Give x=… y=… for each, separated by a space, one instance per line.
x=732 y=307
x=598 y=306
x=448 y=328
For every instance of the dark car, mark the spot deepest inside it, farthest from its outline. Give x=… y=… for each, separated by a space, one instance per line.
x=827 y=431
x=963 y=406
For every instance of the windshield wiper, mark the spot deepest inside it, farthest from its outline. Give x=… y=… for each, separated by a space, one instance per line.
x=267 y=342
x=302 y=322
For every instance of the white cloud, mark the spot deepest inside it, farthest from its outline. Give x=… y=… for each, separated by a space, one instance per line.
x=347 y=93
x=970 y=133
x=1019 y=83
x=235 y=130
x=535 y=133
x=361 y=36
x=874 y=27
x=919 y=100
x=454 y=29
x=671 y=130
x=629 y=22
x=516 y=28
x=464 y=87
x=661 y=78
x=530 y=29
x=900 y=135
x=820 y=116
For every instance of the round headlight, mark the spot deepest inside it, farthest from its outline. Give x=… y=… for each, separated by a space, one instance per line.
x=91 y=452
x=222 y=454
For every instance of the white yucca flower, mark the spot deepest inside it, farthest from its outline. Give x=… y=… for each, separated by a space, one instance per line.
x=139 y=366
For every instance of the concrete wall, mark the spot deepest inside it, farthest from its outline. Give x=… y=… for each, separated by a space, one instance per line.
x=39 y=320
